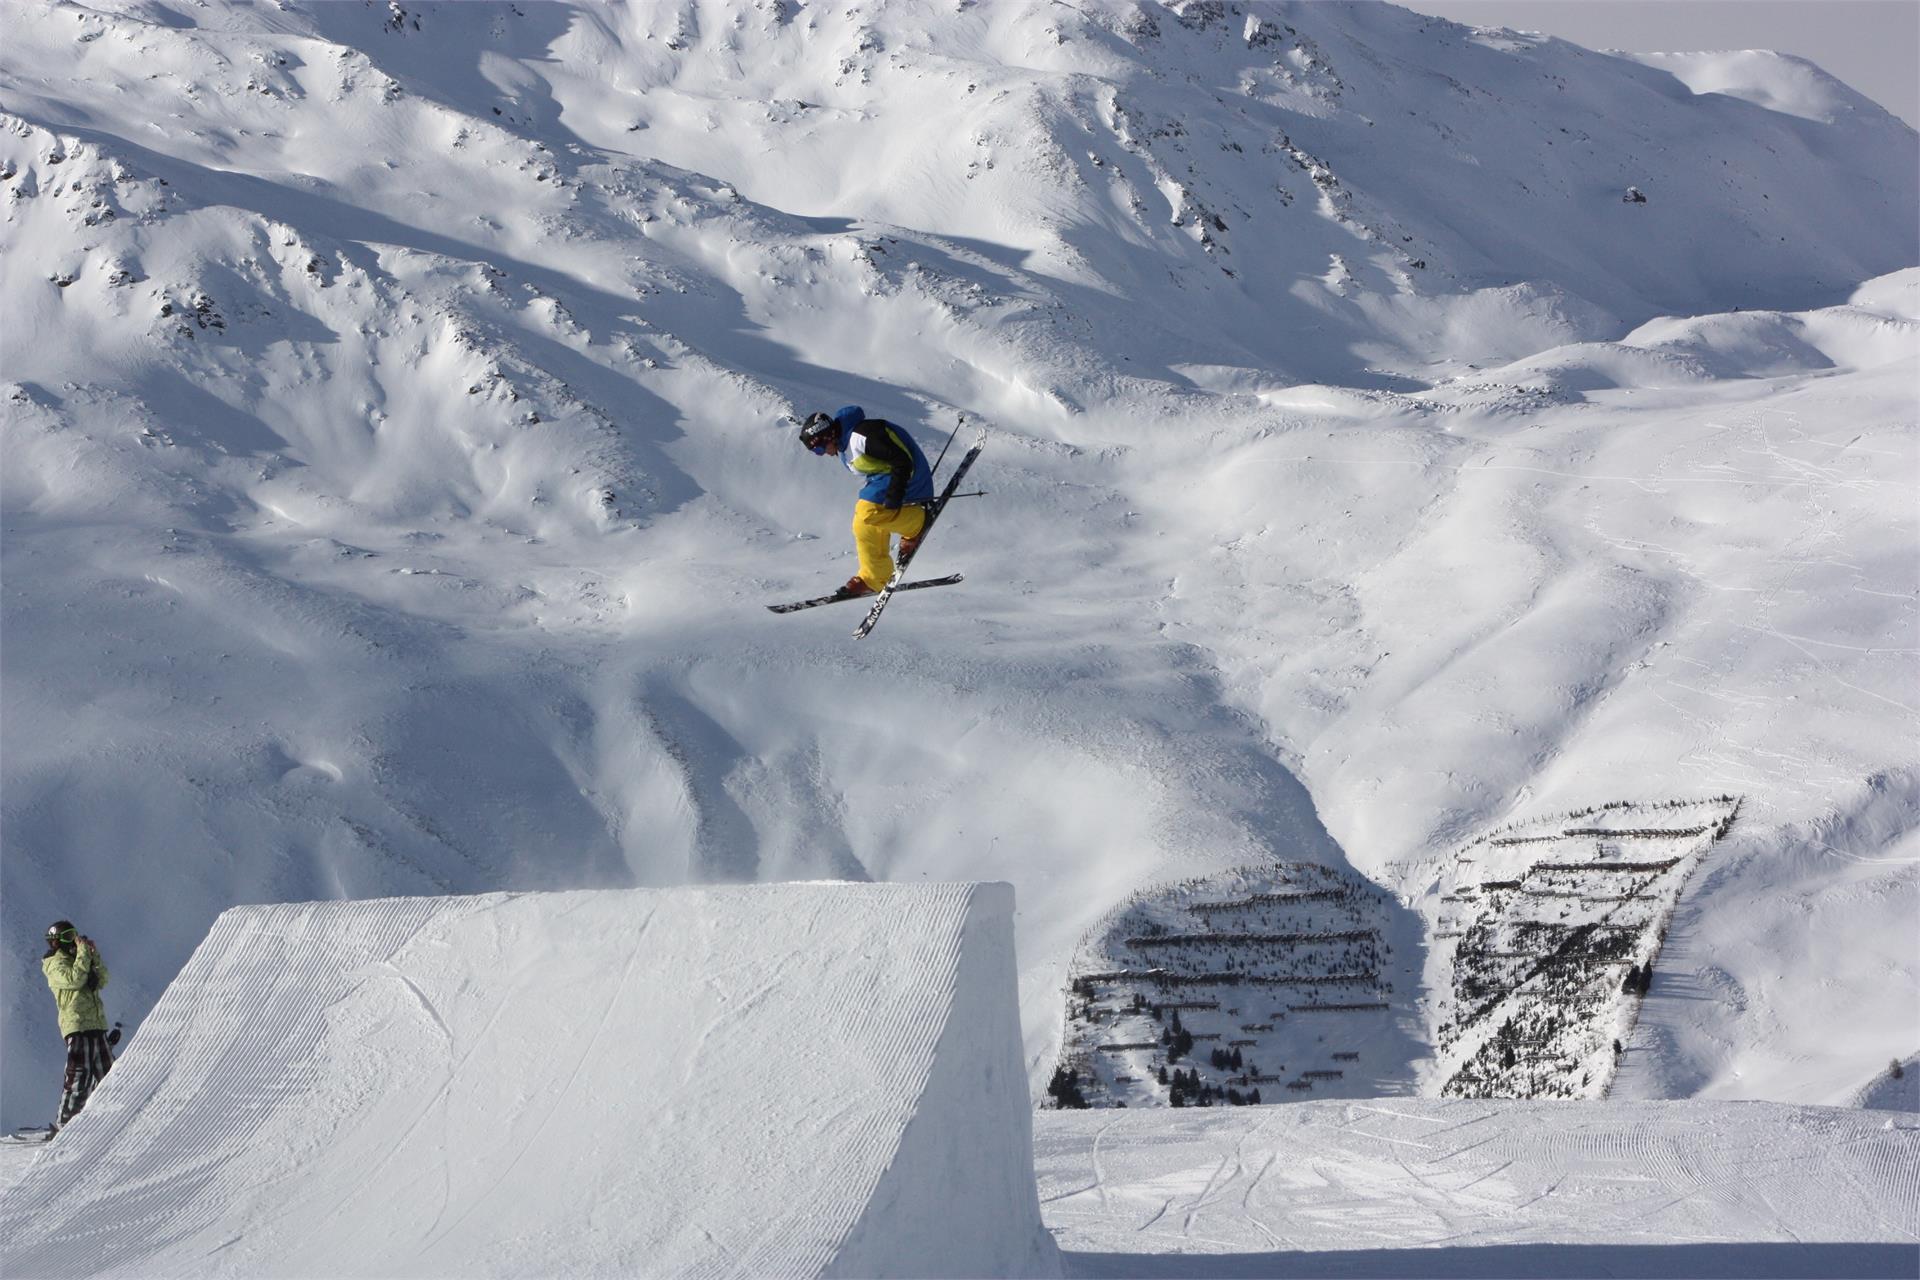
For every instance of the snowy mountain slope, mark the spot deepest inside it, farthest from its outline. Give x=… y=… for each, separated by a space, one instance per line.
x=1637 y=577
x=435 y=564
x=802 y=1080
x=1327 y=184
x=1543 y=940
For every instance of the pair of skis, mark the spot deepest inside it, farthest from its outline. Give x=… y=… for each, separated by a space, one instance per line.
x=896 y=582
x=839 y=597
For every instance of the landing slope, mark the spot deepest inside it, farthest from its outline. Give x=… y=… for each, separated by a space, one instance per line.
x=1423 y=1187
x=817 y=1079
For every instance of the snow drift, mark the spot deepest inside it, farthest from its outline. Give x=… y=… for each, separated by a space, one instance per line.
x=818 y=1079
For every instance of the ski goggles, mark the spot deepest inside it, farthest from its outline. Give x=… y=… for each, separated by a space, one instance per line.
x=62 y=935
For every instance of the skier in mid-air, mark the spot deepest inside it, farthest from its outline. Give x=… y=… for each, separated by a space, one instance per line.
x=75 y=972
x=897 y=484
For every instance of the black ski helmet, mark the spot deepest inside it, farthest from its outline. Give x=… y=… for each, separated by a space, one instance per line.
x=59 y=931
x=817 y=432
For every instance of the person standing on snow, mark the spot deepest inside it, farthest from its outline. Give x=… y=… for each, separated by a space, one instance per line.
x=76 y=973
x=896 y=485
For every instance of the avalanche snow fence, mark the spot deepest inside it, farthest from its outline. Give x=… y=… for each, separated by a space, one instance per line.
x=795 y=1080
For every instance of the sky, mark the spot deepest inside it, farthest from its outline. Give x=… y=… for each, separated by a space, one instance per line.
x=1873 y=45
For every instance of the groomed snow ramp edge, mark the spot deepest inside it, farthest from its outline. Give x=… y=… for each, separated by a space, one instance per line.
x=802 y=1080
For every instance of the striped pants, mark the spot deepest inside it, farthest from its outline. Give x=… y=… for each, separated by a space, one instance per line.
x=88 y=1059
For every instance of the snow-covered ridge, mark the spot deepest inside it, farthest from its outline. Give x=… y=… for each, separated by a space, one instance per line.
x=1103 y=147
x=1879 y=325
x=419 y=546
x=794 y=1080
x=1776 y=81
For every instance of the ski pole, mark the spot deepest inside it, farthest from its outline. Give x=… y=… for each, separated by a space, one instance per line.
x=943 y=448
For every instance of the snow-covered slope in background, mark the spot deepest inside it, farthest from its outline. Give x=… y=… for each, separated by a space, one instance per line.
x=804 y=1080
x=1343 y=191
x=396 y=463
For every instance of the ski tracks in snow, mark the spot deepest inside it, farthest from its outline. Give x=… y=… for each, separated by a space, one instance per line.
x=435 y=1233
x=1428 y=1173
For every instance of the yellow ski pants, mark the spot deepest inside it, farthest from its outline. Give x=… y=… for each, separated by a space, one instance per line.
x=873 y=526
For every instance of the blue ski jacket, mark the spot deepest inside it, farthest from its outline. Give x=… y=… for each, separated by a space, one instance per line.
x=885 y=457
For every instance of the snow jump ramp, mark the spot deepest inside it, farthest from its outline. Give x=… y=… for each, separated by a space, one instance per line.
x=795 y=1080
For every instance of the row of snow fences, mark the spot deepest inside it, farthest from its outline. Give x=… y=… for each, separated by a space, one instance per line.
x=1636 y=868
x=1612 y=806
x=1160 y=977
x=1252 y=901
x=1354 y=1007
x=1608 y=833
x=1245 y=939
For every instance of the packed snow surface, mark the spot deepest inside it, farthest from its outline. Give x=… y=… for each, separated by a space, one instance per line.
x=795 y=1080
x=1423 y=1187
x=396 y=409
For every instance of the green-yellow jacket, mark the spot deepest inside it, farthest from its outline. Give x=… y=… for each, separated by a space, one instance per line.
x=75 y=989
